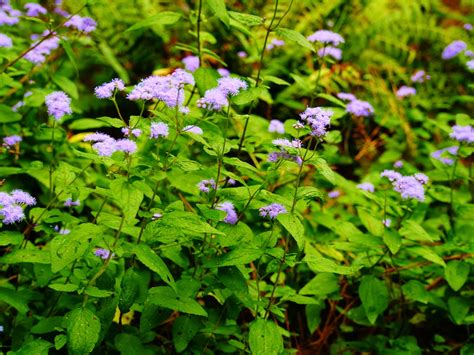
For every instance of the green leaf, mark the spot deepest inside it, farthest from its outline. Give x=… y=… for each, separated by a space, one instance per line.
x=27 y=256
x=10 y=237
x=374 y=296
x=265 y=337
x=246 y=19
x=219 y=9
x=129 y=290
x=332 y=99
x=70 y=54
x=322 y=284
x=13 y=299
x=97 y=292
x=127 y=196
x=392 y=240
x=112 y=60
x=373 y=225
x=324 y=169
x=7 y=115
x=36 y=347
x=413 y=231
x=87 y=123
x=293 y=226
x=152 y=261
x=166 y=297
x=83 y=328
x=458 y=308
x=320 y=264
x=239 y=256
x=275 y=80
x=295 y=36
x=456 y=274
x=428 y=254
x=161 y=19
x=66 y=85
x=64 y=287
x=184 y=330
x=233 y=279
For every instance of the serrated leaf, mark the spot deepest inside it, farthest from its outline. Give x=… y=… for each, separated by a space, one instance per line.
x=413 y=231
x=152 y=261
x=373 y=225
x=219 y=9
x=320 y=264
x=428 y=254
x=264 y=337
x=456 y=274
x=293 y=226
x=374 y=296
x=246 y=19
x=82 y=331
x=184 y=330
x=166 y=297
x=13 y=299
x=239 y=256
x=295 y=36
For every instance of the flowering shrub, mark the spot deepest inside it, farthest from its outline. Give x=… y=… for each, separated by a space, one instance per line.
x=206 y=177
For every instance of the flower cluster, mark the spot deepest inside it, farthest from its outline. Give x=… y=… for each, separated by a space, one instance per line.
x=407 y=186
x=58 y=104
x=326 y=37
x=103 y=253
x=207 y=185
x=334 y=52
x=272 y=210
x=420 y=76
x=453 y=49
x=463 y=134
x=275 y=43
x=106 y=90
x=438 y=155
x=82 y=24
x=317 y=119
x=366 y=186
x=11 y=205
x=223 y=72
x=40 y=51
x=159 y=129
x=193 y=129
x=70 y=203
x=345 y=96
x=8 y=16
x=360 y=108
x=228 y=207
x=217 y=98
x=276 y=126
x=34 y=9
x=106 y=145
x=127 y=132
x=5 y=41
x=405 y=91
x=191 y=63
x=10 y=141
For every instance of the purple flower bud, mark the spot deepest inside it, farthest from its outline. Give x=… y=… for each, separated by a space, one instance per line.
x=58 y=104
x=272 y=210
x=228 y=208
x=276 y=126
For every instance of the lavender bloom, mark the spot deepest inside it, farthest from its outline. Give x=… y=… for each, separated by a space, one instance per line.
x=398 y=164
x=191 y=63
x=207 y=185
x=273 y=157
x=272 y=210
x=103 y=253
x=334 y=52
x=127 y=131
x=22 y=197
x=106 y=90
x=405 y=91
x=470 y=64
x=346 y=96
x=126 y=146
x=38 y=54
x=276 y=126
x=223 y=72
x=97 y=137
x=420 y=76
x=82 y=24
x=8 y=16
x=156 y=216
x=159 y=129
x=213 y=99
x=407 y=186
x=317 y=119
x=193 y=129
x=231 y=182
x=11 y=205
x=231 y=86
x=33 y=9
x=469 y=53
x=62 y=231
x=366 y=186
x=448 y=161
x=275 y=43
x=325 y=36
x=59 y=104
x=462 y=133
x=5 y=199
x=387 y=222
x=228 y=208
x=334 y=194
x=182 y=77
x=104 y=144
x=10 y=141
x=391 y=175
x=360 y=108
x=12 y=214
x=453 y=49
x=70 y=203
x=422 y=178
x=5 y=41
x=467 y=26
x=242 y=54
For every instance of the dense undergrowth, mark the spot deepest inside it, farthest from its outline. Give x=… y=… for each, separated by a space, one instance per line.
x=246 y=176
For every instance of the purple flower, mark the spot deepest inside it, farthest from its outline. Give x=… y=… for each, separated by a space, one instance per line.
x=325 y=36
x=8 y=16
x=391 y=175
x=398 y=164
x=106 y=90
x=231 y=86
x=470 y=64
x=97 y=137
x=103 y=253
x=272 y=210
x=228 y=208
x=159 y=129
x=467 y=26
x=70 y=203
x=156 y=216
x=448 y=161
x=22 y=197
x=231 y=182
x=453 y=49
x=276 y=126
x=207 y=185
x=59 y=105
x=469 y=54
x=193 y=129
x=366 y=186
x=273 y=157
x=213 y=99
x=127 y=131
x=62 y=231
x=104 y=144
x=422 y=178
x=12 y=214
x=191 y=63
x=83 y=24
x=420 y=76
x=242 y=54
x=463 y=133
x=346 y=96
x=407 y=186
x=33 y=9
x=387 y=222
x=334 y=52
x=334 y=194
x=317 y=119
x=223 y=72
x=275 y=43
x=360 y=108
x=405 y=91
x=11 y=205
x=38 y=54
x=126 y=146
x=5 y=41
x=10 y=141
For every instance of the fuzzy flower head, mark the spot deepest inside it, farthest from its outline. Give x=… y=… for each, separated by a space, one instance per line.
x=391 y=175
x=214 y=99
x=127 y=132
x=12 y=214
x=276 y=126
x=103 y=253
x=159 y=129
x=463 y=133
x=193 y=129
x=334 y=52
x=223 y=72
x=407 y=186
x=5 y=41
x=441 y=155
x=334 y=194
x=326 y=37
x=360 y=108
x=58 y=104
x=231 y=86
x=273 y=157
x=82 y=24
x=22 y=198
x=191 y=63
x=242 y=54
x=366 y=186
x=387 y=222
x=405 y=91
x=106 y=90
x=453 y=49
x=10 y=141
x=317 y=119
x=275 y=43
x=346 y=96
x=467 y=27
x=70 y=203
x=207 y=185
x=272 y=210
x=420 y=76
x=11 y=205
x=40 y=51
x=398 y=164
x=126 y=145
x=470 y=64
x=228 y=208
x=106 y=145
x=33 y=9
